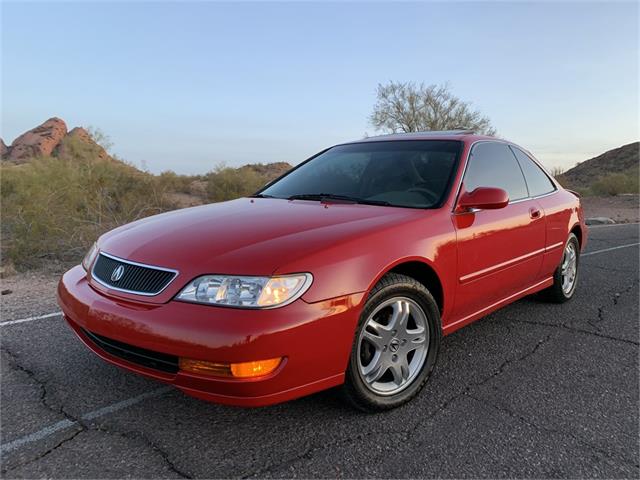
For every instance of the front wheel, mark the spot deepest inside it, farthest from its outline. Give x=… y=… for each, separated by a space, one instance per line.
x=395 y=346
x=565 y=278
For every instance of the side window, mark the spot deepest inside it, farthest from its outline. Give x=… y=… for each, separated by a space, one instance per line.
x=537 y=181
x=493 y=165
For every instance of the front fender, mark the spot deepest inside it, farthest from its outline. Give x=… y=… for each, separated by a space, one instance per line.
x=356 y=265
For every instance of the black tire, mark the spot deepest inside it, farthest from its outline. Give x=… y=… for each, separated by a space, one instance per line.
x=390 y=286
x=555 y=293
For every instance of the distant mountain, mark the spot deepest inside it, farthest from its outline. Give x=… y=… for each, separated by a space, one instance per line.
x=622 y=160
x=49 y=139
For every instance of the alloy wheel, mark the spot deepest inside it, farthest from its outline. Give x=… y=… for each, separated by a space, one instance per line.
x=393 y=345
x=569 y=268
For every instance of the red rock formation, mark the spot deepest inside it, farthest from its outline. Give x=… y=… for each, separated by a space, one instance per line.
x=38 y=142
x=51 y=139
x=82 y=137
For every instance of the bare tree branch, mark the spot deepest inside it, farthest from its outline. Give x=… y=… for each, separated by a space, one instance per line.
x=411 y=107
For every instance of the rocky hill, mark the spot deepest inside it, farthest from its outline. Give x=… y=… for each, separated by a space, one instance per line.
x=623 y=160
x=49 y=139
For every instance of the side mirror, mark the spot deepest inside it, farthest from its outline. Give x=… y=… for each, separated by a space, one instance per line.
x=483 y=198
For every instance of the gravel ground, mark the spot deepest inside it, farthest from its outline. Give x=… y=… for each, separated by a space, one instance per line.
x=622 y=209
x=29 y=294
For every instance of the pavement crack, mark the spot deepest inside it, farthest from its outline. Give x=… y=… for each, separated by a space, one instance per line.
x=79 y=430
x=557 y=431
x=617 y=295
x=468 y=388
x=578 y=330
x=15 y=363
x=309 y=451
x=134 y=435
x=508 y=362
x=260 y=473
x=306 y=454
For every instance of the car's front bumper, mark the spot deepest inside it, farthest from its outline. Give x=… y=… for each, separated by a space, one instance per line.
x=314 y=339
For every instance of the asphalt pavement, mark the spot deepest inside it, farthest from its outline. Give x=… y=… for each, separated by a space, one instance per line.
x=534 y=390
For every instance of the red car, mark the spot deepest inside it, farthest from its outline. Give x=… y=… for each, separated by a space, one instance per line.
x=347 y=270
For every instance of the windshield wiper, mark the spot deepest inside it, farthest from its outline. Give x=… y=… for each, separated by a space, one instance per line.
x=320 y=196
x=333 y=196
x=261 y=195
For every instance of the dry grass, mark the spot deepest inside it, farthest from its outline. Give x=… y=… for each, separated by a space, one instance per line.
x=54 y=208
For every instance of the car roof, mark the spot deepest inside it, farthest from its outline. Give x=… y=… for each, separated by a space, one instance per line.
x=463 y=135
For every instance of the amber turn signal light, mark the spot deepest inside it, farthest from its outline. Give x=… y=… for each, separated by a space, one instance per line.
x=207 y=368
x=256 y=368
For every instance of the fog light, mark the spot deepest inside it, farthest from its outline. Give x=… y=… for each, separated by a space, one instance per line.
x=208 y=368
x=255 y=368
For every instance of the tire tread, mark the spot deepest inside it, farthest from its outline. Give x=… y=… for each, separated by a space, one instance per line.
x=554 y=293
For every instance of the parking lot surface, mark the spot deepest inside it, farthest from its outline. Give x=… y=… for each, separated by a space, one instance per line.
x=534 y=390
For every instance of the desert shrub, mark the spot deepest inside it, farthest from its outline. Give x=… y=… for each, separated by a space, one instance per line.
x=172 y=182
x=226 y=183
x=617 y=183
x=54 y=208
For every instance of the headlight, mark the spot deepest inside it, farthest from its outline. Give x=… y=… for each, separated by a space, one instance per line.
x=90 y=257
x=246 y=292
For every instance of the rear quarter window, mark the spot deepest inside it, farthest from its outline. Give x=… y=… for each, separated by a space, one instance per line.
x=537 y=180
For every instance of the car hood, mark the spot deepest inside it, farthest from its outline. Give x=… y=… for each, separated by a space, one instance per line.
x=246 y=236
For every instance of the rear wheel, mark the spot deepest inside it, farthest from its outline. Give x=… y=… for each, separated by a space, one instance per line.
x=565 y=278
x=396 y=345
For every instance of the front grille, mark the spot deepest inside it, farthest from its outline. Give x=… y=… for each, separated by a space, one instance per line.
x=140 y=356
x=132 y=277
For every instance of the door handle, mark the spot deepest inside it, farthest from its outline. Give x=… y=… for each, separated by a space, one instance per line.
x=534 y=212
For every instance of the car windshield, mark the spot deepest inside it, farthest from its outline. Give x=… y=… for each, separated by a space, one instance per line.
x=407 y=173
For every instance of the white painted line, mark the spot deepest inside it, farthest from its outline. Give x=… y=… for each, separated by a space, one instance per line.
x=124 y=403
x=64 y=424
x=611 y=225
x=30 y=319
x=610 y=249
x=39 y=435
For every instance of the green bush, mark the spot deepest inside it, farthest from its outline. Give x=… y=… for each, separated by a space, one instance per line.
x=226 y=183
x=172 y=182
x=617 y=183
x=54 y=208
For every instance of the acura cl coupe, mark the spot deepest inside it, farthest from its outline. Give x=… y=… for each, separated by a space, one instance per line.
x=347 y=270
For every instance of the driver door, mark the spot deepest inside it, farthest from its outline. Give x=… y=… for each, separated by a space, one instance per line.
x=500 y=251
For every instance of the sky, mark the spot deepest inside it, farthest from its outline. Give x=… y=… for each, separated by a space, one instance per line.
x=187 y=86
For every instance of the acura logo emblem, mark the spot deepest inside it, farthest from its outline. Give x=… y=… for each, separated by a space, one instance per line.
x=117 y=273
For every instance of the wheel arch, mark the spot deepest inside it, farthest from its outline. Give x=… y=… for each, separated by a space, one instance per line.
x=421 y=270
x=577 y=231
